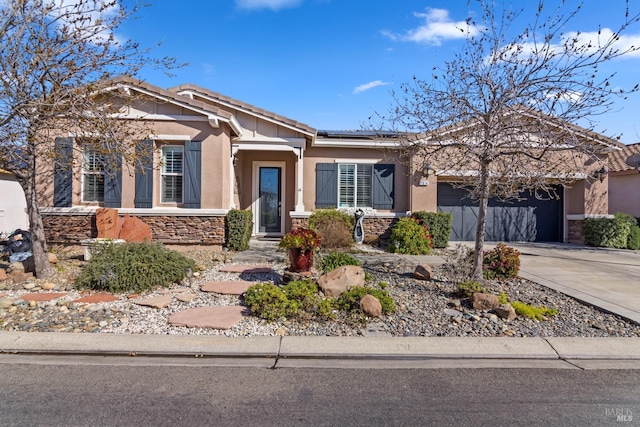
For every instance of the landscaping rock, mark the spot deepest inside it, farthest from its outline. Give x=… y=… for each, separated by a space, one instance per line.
x=185 y=297
x=505 y=311
x=292 y=276
x=422 y=272
x=161 y=301
x=48 y=286
x=16 y=267
x=134 y=230
x=210 y=317
x=339 y=280
x=482 y=301
x=3 y=274
x=452 y=313
x=53 y=258
x=227 y=287
x=6 y=302
x=371 y=306
x=107 y=223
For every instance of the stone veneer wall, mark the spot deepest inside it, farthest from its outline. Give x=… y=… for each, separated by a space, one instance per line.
x=202 y=230
x=374 y=227
x=575 y=233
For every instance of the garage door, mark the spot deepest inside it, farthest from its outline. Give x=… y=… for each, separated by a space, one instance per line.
x=530 y=220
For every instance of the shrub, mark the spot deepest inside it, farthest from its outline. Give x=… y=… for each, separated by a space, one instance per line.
x=459 y=264
x=438 y=224
x=608 y=232
x=335 y=228
x=630 y=223
x=334 y=260
x=268 y=301
x=532 y=311
x=326 y=309
x=238 y=226
x=301 y=238
x=304 y=292
x=501 y=262
x=133 y=267
x=467 y=288
x=633 y=242
x=349 y=300
x=409 y=237
x=502 y=297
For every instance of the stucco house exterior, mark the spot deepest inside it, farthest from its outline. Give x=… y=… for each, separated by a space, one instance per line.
x=215 y=153
x=624 y=182
x=13 y=205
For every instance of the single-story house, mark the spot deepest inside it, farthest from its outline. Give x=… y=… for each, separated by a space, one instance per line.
x=13 y=205
x=624 y=181
x=214 y=153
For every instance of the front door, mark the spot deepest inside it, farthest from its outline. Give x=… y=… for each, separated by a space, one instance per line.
x=269 y=200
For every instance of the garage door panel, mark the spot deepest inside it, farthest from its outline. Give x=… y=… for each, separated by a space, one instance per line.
x=526 y=220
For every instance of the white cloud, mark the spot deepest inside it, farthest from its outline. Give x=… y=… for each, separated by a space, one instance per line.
x=86 y=16
x=438 y=26
x=367 y=86
x=267 y=4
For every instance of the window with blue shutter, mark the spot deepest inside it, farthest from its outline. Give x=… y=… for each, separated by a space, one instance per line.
x=113 y=182
x=192 y=174
x=62 y=173
x=144 y=175
x=326 y=185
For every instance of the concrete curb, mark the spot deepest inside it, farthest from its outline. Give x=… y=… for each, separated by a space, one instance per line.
x=334 y=348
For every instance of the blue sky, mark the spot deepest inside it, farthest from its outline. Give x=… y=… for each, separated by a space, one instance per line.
x=333 y=63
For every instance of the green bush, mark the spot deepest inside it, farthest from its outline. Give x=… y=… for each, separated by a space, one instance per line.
x=333 y=260
x=349 y=300
x=608 y=232
x=630 y=223
x=633 y=242
x=335 y=228
x=304 y=292
x=438 y=224
x=467 y=288
x=133 y=267
x=238 y=227
x=409 y=237
x=501 y=262
x=268 y=301
x=532 y=311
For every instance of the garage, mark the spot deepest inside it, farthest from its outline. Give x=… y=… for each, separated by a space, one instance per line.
x=528 y=220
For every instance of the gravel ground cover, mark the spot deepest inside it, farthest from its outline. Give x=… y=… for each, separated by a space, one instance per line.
x=424 y=308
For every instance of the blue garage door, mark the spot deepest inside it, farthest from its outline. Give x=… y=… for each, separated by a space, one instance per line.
x=529 y=220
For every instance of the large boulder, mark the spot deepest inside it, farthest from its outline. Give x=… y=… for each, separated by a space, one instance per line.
x=339 y=280
x=505 y=311
x=422 y=272
x=482 y=301
x=371 y=306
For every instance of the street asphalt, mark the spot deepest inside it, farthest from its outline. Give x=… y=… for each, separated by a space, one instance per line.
x=605 y=278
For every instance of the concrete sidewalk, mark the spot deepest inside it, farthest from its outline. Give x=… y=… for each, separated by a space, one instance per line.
x=605 y=278
x=334 y=352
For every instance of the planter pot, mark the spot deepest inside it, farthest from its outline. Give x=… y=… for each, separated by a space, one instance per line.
x=300 y=260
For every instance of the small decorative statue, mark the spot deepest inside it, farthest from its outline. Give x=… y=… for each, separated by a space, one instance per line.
x=358 y=231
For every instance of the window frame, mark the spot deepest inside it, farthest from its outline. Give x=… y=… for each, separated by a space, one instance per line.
x=97 y=171
x=357 y=185
x=164 y=173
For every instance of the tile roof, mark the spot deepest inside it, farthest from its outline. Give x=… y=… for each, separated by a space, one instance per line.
x=618 y=159
x=234 y=103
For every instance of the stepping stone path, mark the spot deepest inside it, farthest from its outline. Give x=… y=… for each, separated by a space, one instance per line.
x=97 y=298
x=223 y=317
x=42 y=297
x=161 y=301
x=247 y=269
x=185 y=297
x=229 y=287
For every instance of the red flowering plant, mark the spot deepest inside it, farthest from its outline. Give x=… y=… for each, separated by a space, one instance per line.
x=501 y=262
x=300 y=238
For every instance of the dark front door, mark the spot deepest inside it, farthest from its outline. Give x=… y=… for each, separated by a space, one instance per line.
x=270 y=200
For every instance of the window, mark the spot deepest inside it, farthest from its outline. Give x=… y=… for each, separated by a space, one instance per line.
x=172 y=168
x=92 y=176
x=354 y=185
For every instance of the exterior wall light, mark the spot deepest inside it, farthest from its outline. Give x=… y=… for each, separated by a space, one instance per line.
x=426 y=170
x=601 y=174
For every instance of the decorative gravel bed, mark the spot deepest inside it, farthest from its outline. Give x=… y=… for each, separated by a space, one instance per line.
x=423 y=309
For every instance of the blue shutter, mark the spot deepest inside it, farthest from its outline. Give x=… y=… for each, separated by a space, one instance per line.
x=144 y=175
x=113 y=182
x=192 y=174
x=62 y=173
x=326 y=185
x=383 y=193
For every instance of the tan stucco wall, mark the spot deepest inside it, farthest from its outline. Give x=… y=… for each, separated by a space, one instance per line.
x=624 y=192
x=315 y=155
x=574 y=198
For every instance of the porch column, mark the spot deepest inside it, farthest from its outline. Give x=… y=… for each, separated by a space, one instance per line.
x=232 y=178
x=299 y=181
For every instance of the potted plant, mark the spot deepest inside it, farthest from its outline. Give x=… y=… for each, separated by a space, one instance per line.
x=301 y=244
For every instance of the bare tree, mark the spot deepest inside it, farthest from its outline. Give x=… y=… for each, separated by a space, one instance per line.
x=502 y=114
x=52 y=53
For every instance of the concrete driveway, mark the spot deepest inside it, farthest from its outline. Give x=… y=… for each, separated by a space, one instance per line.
x=607 y=278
